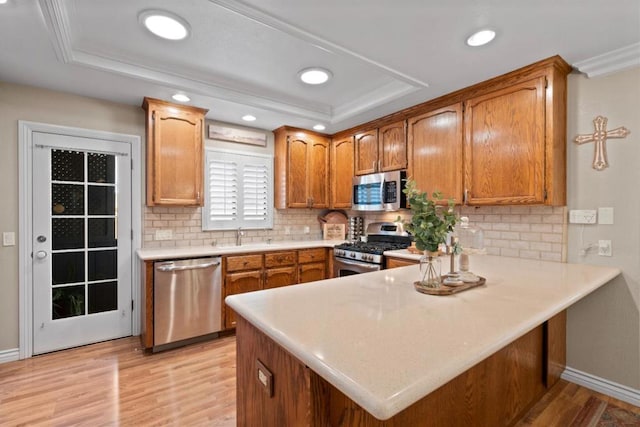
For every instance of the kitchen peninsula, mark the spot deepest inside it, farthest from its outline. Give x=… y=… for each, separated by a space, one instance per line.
x=360 y=349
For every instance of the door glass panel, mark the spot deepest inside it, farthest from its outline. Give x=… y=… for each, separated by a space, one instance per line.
x=102 y=200
x=67 y=301
x=103 y=297
x=103 y=265
x=68 y=267
x=67 y=233
x=67 y=199
x=102 y=168
x=67 y=165
x=102 y=232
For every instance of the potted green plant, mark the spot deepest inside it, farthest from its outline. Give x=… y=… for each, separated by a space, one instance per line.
x=430 y=224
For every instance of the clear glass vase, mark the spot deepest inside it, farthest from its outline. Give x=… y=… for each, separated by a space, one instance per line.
x=430 y=270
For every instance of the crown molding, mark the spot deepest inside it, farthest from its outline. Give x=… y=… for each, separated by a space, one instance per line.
x=611 y=62
x=57 y=20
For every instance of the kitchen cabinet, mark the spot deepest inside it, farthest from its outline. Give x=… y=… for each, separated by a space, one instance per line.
x=175 y=150
x=280 y=269
x=341 y=173
x=504 y=140
x=381 y=150
x=302 y=165
x=266 y=270
x=366 y=156
x=392 y=262
x=312 y=265
x=242 y=274
x=435 y=151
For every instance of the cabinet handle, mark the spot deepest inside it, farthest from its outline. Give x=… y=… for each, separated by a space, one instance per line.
x=379 y=168
x=373 y=165
x=465 y=196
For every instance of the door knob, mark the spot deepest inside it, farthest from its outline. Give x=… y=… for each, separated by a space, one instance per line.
x=41 y=239
x=41 y=254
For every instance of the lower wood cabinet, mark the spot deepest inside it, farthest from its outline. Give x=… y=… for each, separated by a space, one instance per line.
x=266 y=270
x=399 y=262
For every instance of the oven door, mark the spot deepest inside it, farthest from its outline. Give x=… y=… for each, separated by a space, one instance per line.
x=346 y=267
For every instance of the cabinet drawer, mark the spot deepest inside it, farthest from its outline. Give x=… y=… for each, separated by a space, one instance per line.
x=279 y=259
x=244 y=262
x=311 y=255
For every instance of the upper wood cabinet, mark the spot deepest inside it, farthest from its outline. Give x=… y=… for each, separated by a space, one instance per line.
x=392 y=147
x=504 y=139
x=366 y=156
x=381 y=150
x=302 y=165
x=174 y=153
x=341 y=173
x=435 y=151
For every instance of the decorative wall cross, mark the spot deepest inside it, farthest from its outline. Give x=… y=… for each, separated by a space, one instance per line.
x=600 y=137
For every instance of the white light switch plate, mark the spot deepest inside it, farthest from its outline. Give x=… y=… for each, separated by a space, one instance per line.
x=584 y=216
x=605 y=215
x=8 y=238
x=604 y=248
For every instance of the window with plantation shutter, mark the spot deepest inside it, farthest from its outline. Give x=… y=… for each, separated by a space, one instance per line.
x=239 y=191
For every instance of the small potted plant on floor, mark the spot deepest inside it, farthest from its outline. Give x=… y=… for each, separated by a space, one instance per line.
x=430 y=224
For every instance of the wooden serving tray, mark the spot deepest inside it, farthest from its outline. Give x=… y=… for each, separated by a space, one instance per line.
x=448 y=289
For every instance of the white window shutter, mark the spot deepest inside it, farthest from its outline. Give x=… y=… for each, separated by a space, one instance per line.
x=239 y=191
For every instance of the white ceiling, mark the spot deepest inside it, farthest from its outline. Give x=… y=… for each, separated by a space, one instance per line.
x=243 y=56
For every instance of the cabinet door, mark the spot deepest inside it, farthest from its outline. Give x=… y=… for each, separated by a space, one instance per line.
x=392 y=149
x=341 y=173
x=504 y=136
x=297 y=171
x=237 y=283
x=282 y=276
x=435 y=147
x=366 y=155
x=398 y=262
x=318 y=173
x=177 y=155
x=311 y=272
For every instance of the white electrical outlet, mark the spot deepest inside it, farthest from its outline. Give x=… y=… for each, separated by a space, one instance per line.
x=584 y=216
x=604 y=248
x=164 y=234
x=306 y=229
x=287 y=230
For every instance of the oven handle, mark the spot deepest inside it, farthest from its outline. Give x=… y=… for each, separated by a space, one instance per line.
x=358 y=263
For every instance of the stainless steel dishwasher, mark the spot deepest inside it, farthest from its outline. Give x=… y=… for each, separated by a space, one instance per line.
x=187 y=300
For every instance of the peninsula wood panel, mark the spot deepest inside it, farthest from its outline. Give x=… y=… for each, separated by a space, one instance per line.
x=291 y=400
x=341 y=172
x=435 y=147
x=174 y=153
x=366 y=152
x=495 y=392
x=556 y=338
x=505 y=145
x=392 y=147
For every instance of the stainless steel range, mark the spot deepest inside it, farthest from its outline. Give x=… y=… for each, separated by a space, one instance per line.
x=362 y=257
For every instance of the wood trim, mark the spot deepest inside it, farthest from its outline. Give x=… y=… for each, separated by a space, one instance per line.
x=556 y=348
x=146 y=335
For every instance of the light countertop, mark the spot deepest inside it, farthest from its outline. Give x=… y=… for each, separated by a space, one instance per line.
x=152 y=254
x=386 y=346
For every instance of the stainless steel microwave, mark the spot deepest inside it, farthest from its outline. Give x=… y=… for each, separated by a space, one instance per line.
x=379 y=191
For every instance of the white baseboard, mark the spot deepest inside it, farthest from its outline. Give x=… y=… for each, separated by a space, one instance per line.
x=618 y=391
x=9 y=355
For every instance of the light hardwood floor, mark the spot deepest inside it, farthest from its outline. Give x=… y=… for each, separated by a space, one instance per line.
x=115 y=383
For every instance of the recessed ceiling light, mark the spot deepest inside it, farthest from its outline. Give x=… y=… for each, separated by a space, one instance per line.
x=249 y=118
x=3 y=1
x=164 y=24
x=181 y=97
x=481 y=37
x=319 y=127
x=314 y=75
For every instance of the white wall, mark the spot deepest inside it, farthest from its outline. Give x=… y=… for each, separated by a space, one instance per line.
x=603 y=330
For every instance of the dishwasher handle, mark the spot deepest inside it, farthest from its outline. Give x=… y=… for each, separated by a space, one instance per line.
x=169 y=267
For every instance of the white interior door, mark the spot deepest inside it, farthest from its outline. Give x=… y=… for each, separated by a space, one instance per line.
x=81 y=241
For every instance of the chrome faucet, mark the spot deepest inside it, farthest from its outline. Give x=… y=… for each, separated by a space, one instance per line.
x=239 y=234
